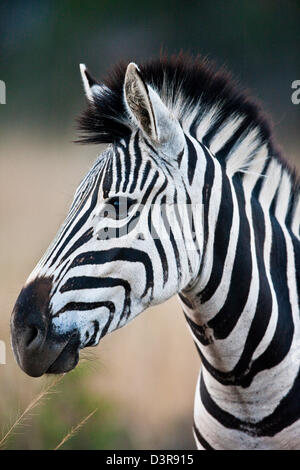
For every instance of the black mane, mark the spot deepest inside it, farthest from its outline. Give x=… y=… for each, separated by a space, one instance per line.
x=196 y=81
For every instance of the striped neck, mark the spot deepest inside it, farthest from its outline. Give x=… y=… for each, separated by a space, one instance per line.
x=243 y=309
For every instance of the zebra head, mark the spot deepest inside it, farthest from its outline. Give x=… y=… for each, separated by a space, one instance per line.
x=123 y=245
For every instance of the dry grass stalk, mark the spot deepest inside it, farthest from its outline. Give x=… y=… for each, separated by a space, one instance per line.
x=74 y=430
x=42 y=395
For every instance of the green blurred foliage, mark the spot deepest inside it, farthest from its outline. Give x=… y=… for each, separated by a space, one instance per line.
x=70 y=402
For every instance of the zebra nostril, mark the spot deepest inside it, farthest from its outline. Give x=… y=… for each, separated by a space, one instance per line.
x=33 y=337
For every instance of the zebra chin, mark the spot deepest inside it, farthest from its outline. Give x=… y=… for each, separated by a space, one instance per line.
x=37 y=346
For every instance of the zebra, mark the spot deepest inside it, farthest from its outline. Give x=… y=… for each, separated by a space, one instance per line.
x=190 y=197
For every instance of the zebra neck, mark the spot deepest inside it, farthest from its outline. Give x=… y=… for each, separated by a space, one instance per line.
x=247 y=290
x=214 y=304
x=223 y=299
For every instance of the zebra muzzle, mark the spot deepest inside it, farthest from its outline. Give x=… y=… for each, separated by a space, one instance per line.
x=37 y=347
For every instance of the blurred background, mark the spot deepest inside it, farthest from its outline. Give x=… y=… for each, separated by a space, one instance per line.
x=142 y=377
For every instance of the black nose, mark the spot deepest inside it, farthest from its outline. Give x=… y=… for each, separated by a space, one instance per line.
x=35 y=345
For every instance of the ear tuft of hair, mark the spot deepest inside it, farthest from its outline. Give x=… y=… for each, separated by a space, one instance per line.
x=88 y=81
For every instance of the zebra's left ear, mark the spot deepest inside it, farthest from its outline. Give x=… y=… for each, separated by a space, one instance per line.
x=91 y=86
x=147 y=109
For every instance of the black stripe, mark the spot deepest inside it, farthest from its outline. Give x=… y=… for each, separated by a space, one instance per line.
x=94 y=336
x=191 y=220
x=150 y=146
x=138 y=163
x=206 y=194
x=272 y=208
x=214 y=129
x=227 y=317
x=194 y=126
x=119 y=170
x=222 y=237
x=89 y=282
x=117 y=254
x=108 y=178
x=109 y=320
x=285 y=414
x=201 y=439
x=192 y=159
x=185 y=300
x=223 y=153
x=259 y=183
x=179 y=157
x=145 y=174
x=127 y=171
x=149 y=188
x=199 y=331
x=296 y=247
x=80 y=306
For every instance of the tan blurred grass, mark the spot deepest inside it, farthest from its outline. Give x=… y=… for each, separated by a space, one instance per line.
x=25 y=414
x=149 y=367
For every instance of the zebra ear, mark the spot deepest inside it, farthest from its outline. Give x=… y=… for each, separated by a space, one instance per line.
x=146 y=108
x=91 y=86
x=136 y=94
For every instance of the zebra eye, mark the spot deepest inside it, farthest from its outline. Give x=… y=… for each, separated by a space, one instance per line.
x=118 y=207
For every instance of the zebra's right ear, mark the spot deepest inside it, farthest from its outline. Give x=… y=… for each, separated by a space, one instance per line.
x=91 y=86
